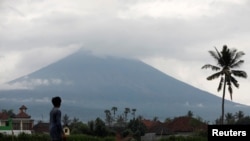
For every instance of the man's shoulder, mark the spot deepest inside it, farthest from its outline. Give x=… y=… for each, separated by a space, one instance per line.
x=55 y=110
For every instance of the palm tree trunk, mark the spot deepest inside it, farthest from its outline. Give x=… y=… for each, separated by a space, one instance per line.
x=223 y=100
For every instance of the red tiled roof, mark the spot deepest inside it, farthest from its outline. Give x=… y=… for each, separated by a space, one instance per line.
x=22 y=114
x=149 y=123
x=156 y=127
x=160 y=129
x=4 y=116
x=186 y=124
x=180 y=124
x=23 y=107
x=41 y=128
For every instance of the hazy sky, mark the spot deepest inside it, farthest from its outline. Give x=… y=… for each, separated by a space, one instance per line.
x=174 y=36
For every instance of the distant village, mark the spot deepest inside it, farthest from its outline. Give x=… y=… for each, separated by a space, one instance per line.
x=22 y=122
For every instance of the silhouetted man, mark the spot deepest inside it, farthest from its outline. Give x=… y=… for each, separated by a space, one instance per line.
x=55 y=128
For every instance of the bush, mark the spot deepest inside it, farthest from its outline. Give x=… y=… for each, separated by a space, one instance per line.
x=45 y=137
x=184 y=138
x=88 y=138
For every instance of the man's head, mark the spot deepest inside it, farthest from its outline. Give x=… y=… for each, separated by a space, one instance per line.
x=56 y=101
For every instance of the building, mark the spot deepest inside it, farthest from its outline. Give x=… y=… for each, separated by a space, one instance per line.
x=5 y=123
x=43 y=128
x=66 y=130
x=16 y=124
x=179 y=126
x=4 y=120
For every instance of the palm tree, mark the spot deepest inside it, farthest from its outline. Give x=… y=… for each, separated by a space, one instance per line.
x=239 y=115
x=227 y=60
x=133 y=113
x=230 y=119
x=190 y=114
x=127 y=110
x=108 y=117
x=114 y=109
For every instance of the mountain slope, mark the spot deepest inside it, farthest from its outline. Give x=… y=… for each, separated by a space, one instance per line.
x=90 y=84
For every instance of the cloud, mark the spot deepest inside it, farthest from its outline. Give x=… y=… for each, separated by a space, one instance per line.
x=32 y=83
x=170 y=9
x=98 y=27
x=18 y=63
x=173 y=36
x=199 y=105
x=27 y=100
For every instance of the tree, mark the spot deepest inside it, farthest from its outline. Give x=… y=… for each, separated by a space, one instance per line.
x=239 y=115
x=114 y=109
x=133 y=113
x=227 y=60
x=100 y=128
x=137 y=127
x=78 y=127
x=190 y=114
x=245 y=120
x=10 y=112
x=108 y=117
x=66 y=120
x=120 y=121
x=230 y=119
x=91 y=125
x=155 y=119
x=126 y=111
x=167 y=120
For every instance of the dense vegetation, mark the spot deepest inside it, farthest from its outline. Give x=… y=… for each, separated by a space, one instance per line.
x=183 y=138
x=111 y=126
x=107 y=129
x=34 y=137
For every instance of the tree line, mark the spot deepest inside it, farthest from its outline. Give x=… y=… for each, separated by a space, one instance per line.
x=112 y=124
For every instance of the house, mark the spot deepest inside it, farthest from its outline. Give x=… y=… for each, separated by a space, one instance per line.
x=66 y=130
x=5 y=123
x=43 y=128
x=4 y=120
x=180 y=126
x=185 y=125
x=19 y=123
x=155 y=130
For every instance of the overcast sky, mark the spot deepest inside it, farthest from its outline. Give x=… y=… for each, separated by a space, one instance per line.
x=173 y=36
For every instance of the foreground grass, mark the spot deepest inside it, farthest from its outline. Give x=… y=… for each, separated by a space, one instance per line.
x=44 y=137
x=184 y=138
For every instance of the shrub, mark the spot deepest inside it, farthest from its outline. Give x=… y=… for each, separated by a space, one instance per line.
x=45 y=137
x=184 y=138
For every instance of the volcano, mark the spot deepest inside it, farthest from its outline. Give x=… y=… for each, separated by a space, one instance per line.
x=88 y=85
